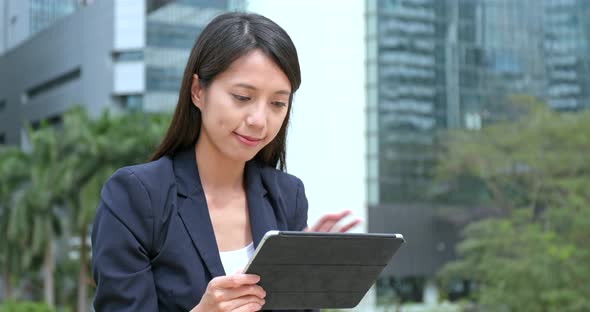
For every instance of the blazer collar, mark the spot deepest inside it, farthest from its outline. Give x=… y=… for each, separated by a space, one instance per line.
x=194 y=212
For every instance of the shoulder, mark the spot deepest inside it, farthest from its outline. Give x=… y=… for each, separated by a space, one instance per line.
x=280 y=180
x=149 y=181
x=153 y=176
x=151 y=172
x=288 y=193
x=284 y=187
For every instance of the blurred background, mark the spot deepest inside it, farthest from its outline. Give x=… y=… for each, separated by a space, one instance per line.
x=462 y=124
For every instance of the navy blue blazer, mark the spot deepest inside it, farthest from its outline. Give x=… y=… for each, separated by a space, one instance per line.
x=153 y=245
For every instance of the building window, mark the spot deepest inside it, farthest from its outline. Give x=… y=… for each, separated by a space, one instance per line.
x=130 y=102
x=163 y=78
x=134 y=102
x=167 y=35
x=53 y=83
x=2 y=105
x=2 y=138
x=55 y=121
x=127 y=56
x=43 y=13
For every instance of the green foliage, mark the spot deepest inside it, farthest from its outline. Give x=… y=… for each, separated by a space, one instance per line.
x=516 y=161
x=25 y=306
x=51 y=192
x=14 y=170
x=534 y=256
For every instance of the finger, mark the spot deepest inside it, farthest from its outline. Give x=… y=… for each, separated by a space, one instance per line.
x=328 y=220
x=350 y=225
x=249 y=307
x=234 y=280
x=244 y=291
x=327 y=226
x=332 y=220
x=334 y=216
x=251 y=303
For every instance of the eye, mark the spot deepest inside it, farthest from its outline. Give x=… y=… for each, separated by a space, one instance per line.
x=241 y=98
x=279 y=104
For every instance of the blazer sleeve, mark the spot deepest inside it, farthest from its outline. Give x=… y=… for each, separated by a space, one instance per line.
x=121 y=244
x=301 y=208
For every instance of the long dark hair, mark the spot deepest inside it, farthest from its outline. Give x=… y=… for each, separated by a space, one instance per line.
x=225 y=39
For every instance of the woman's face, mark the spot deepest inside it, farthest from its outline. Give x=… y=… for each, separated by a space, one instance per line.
x=243 y=108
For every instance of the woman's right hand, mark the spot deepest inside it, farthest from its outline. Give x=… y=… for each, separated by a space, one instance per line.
x=237 y=293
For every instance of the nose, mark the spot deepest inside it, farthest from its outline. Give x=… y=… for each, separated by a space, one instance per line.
x=257 y=115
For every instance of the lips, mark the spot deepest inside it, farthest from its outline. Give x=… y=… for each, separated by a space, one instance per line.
x=247 y=140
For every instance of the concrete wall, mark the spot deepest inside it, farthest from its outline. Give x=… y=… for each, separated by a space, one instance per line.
x=14 y=23
x=82 y=41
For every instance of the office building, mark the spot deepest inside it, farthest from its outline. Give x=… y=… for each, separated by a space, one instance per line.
x=111 y=54
x=20 y=19
x=434 y=65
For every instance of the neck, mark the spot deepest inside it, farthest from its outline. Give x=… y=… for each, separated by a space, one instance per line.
x=216 y=171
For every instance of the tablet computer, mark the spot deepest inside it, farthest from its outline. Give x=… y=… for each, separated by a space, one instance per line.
x=307 y=270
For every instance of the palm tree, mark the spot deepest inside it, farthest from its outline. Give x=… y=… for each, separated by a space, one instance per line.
x=13 y=174
x=93 y=149
x=57 y=185
x=86 y=167
x=65 y=171
x=37 y=210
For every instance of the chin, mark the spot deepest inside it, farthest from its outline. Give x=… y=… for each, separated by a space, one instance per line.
x=241 y=157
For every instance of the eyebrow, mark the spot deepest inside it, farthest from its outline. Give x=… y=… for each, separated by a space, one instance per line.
x=251 y=87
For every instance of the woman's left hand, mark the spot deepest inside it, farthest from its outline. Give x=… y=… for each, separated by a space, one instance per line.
x=329 y=223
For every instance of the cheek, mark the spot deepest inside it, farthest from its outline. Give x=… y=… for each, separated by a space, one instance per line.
x=276 y=122
x=219 y=116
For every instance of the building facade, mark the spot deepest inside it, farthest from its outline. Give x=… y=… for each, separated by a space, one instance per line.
x=441 y=64
x=139 y=67
x=567 y=50
x=20 y=20
x=430 y=65
x=120 y=55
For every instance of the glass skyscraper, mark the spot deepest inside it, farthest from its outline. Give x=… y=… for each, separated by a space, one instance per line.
x=21 y=19
x=139 y=56
x=567 y=50
x=46 y=12
x=171 y=29
x=441 y=64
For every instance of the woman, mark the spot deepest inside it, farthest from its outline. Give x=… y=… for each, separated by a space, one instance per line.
x=174 y=233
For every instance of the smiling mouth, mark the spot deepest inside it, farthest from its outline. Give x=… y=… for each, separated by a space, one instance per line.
x=250 y=141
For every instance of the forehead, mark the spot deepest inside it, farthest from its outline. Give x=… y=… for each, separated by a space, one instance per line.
x=257 y=69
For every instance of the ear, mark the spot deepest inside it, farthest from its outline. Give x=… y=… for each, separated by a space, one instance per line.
x=197 y=92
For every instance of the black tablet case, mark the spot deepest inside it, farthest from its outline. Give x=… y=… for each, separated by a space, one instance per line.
x=321 y=270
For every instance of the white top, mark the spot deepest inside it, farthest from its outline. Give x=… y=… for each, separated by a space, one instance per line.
x=236 y=259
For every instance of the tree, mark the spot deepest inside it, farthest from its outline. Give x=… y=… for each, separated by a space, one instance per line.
x=51 y=192
x=36 y=213
x=534 y=255
x=93 y=149
x=14 y=165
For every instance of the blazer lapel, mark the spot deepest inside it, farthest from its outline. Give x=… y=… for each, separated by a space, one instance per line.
x=261 y=213
x=194 y=212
